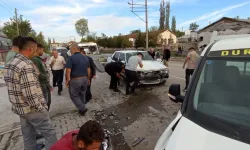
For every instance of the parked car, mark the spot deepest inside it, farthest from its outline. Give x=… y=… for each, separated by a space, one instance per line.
x=153 y=72
x=215 y=111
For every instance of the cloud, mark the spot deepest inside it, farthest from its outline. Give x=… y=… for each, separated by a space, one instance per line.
x=212 y=14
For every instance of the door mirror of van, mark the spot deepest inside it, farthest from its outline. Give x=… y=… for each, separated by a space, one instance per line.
x=174 y=93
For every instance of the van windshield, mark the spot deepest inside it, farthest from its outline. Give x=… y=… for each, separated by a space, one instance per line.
x=223 y=94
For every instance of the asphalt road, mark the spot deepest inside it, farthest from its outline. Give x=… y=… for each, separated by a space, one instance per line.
x=144 y=115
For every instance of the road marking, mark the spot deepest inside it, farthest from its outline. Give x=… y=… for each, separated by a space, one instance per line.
x=177 y=77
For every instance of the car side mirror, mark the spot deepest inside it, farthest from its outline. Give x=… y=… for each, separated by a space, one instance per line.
x=174 y=93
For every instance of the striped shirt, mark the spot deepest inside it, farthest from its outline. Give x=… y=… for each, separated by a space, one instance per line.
x=21 y=77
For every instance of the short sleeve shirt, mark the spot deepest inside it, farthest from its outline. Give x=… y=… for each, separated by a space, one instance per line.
x=78 y=64
x=193 y=60
x=133 y=62
x=59 y=63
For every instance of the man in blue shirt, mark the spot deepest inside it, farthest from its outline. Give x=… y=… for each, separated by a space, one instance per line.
x=77 y=77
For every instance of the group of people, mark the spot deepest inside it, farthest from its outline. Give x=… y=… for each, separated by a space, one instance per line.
x=116 y=69
x=28 y=82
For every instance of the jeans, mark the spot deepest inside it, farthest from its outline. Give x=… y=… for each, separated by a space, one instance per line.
x=131 y=76
x=77 y=92
x=47 y=97
x=58 y=79
x=189 y=73
x=40 y=121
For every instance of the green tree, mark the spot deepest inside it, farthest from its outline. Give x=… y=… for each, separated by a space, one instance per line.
x=179 y=33
x=167 y=15
x=82 y=27
x=193 y=26
x=173 y=27
x=91 y=37
x=10 y=30
x=140 y=40
x=162 y=15
x=153 y=28
x=135 y=31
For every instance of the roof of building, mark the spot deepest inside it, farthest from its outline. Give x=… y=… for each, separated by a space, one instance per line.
x=133 y=35
x=230 y=44
x=225 y=26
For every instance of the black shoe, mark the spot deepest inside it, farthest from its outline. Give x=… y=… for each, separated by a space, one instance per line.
x=59 y=93
x=127 y=93
x=83 y=112
x=111 y=88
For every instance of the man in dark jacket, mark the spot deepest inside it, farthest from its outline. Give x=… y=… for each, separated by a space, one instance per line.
x=114 y=69
x=93 y=75
x=151 y=52
x=166 y=56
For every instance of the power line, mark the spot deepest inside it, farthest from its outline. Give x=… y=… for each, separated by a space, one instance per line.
x=7 y=5
x=8 y=9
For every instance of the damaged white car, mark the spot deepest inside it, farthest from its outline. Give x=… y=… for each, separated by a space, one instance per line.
x=153 y=72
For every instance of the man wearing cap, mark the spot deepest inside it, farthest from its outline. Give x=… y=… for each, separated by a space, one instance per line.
x=130 y=70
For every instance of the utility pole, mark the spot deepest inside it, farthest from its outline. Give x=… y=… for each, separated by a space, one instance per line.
x=138 y=8
x=146 y=15
x=16 y=22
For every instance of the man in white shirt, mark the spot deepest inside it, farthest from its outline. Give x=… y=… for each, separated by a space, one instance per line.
x=57 y=66
x=131 y=74
x=191 y=61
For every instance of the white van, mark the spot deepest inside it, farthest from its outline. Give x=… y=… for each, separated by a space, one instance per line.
x=215 y=112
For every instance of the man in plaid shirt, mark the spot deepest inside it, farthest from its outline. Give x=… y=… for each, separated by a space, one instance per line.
x=25 y=94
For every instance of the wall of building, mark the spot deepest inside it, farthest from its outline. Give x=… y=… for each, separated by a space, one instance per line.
x=166 y=35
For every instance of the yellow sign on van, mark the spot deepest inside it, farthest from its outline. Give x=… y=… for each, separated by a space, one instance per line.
x=230 y=53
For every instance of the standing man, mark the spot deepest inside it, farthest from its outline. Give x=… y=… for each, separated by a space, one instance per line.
x=57 y=65
x=191 y=61
x=44 y=74
x=14 y=50
x=131 y=74
x=114 y=69
x=78 y=78
x=92 y=75
x=25 y=94
x=166 y=56
x=151 y=52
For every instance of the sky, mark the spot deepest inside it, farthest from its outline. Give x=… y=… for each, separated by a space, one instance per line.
x=56 y=18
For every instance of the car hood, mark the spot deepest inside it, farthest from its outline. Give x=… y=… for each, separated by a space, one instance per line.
x=151 y=65
x=188 y=135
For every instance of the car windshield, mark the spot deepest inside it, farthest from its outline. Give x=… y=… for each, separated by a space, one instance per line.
x=223 y=91
x=146 y=56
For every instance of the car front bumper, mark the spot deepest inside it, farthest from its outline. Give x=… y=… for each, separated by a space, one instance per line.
x=153 y=77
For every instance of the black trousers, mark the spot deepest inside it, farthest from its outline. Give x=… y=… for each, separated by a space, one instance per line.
x=88 y=93
x=131 y=76
x=189 y=73
x=113 y=81
x=58 y=79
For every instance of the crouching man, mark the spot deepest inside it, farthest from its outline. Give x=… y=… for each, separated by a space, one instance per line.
x=89 y=137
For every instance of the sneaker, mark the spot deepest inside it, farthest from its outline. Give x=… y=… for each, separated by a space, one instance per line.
x=83 y=112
